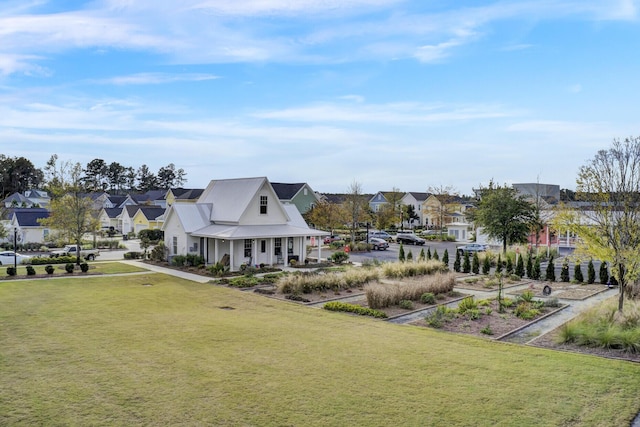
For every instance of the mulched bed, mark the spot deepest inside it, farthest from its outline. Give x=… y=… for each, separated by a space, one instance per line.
x=483 y=283
x=565 y=290
x=498 y=323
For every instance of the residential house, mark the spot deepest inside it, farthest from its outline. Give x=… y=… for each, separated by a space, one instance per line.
x=110 y=217
x=301 y=195
x=30 y=199
x=182 y=195
x=29 y=229
x=415 y=200
x=148 y=218
x=239 y=222
x=440 y=210
x=151 y=197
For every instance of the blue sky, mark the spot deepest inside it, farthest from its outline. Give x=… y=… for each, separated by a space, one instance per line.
x=387 y=93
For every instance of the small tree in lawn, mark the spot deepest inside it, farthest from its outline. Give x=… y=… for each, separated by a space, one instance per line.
x=410 y=256
x=499 y=264
x=401 y=256
x=445 y=258
x=604 y=273
x=535 y=274
x=435 y=255
x=564 y=272
x=550 y=275
x=577 y=272
x=466 y=264
x=520 y=267
x=475 y=263
x=456 y=263
x=530 y=266
x=591 y=273
x=486 y=265
x=422 y=256
x=429 y=253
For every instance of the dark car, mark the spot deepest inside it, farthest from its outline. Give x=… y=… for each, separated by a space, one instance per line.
x=409 y=239
x=378 y=244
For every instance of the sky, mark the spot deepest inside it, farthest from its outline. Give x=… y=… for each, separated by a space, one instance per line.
x=388 y=94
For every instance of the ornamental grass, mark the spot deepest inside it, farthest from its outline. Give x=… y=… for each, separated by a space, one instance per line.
x=398 y=270
x=306 y=283
x=382 y=295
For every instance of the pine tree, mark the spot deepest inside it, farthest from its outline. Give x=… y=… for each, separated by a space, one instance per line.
x=429 y=253
x=577 y=272
x=520 y=267
x=530 y=266
x=456 y=263
x=535 y=274
x=422 y=256
x=445 y=258
x=551 y=271
x=466 y=264
x=564 y=272
x=591 y=273
x=486 y=265
x=409 y=256
x=604 y=273
x=509 y=265
x=435 y=255
x=401 y=256
x=499 y=265
x=475 y=264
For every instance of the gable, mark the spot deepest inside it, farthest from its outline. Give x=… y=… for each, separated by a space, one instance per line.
x=275 y=213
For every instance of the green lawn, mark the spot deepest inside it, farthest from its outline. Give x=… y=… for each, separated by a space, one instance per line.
x=155 y=350
x=94 y=267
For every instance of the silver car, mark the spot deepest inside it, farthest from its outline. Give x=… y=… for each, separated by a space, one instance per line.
x=7 y=258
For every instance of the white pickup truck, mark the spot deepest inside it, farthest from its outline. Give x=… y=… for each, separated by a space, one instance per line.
x=70 y=250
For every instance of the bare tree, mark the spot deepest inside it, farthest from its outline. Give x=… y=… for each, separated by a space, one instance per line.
x=355 y=204
x=445 y=194
x=609 y=230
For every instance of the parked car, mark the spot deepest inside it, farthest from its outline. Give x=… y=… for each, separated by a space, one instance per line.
x=380 y=235
x=410 y=239
x=7 y=258
x=378 y=244
x=332 y=238
x=472 y=247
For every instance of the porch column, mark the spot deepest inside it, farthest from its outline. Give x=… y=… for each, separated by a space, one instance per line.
x=271 y=249
x=215 y=250
x=231 y=255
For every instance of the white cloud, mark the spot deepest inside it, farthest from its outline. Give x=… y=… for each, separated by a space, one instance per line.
x=155 y=78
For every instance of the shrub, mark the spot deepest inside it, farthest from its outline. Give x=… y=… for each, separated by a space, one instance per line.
x=310 y=282
x=218 y=269
x=499 y=264
x=552 y=302
x=31 y=271
x=520 y=267
x=159 y=252
x=486 y=265
x=526 y=296
x=577 y=273
x=466 y=263
x=564 y=272
x=406 y=304
x=435 y=255
x=11 y=271
x=551 y=272
x=529 y=267
x=445 y=258
x=509 y=267
x=410 y=256
x=339 y=257
x=486 y=330
x=439 y=316
x=475 y=264
x=456 y=263
x=428 y=298
x=353 y=308
x=84 y=267
x=535 y=275
x=69 y=267
x=152 y=235
x=591 y=272
x=467 y=304
x=244 y=281
x=56 y=260
x=422 y=256
x=401 y=256
x=604 y=273
x=49 y=269
x=138 y=255
x=400 y=270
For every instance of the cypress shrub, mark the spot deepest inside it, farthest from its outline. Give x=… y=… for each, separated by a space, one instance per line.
x=456 y=263
x=520 y=267
x=577 y=272
x=486 y=265
x=475 y=263
x=466 y=265
x=564 y=272
x=591 y=272
x=551 y=271
x=530 y=266
x=604 y=273
x=445 y=258
x=535 y=274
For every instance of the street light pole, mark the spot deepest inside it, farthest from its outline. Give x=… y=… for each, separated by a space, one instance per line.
x=15 y=248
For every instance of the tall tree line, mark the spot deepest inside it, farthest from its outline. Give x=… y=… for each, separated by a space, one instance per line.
x=18 y=174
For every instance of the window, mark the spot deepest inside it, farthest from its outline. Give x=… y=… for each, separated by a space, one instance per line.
x=175 y=245
x=263 y=246
x=247 y=248
x=263 y=205
x=278 y=246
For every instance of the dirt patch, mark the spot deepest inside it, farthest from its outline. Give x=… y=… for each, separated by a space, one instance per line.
x=487 y=283
x=564 y=290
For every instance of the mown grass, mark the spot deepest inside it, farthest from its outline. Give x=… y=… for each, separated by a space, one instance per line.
x=155 y=350
x=97 y=267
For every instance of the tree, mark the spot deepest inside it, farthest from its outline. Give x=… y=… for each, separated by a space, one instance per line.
x=475 y=263
x=466 y=263
x=486 y=265
x=146 y=179
x=429 y=253
x=520 y=267
x=504 y=214
x=456 y=263
x=591 y=273
x=530 y=266
x=170 y=177
x=410 y=256
x=95 y=175
x=445 y=257
x=603 y=273
x=435 y=255
x=509 y=267
x=610 y=229
x=17 y=175
x=326 y=216
x=116 y=176
x=401 y=256
x=409 y=214
x=564 y=271
x=577 y=272
x=499 y=264
x=72 y=214
x=355 y=205
x=550 y=274
x=535 y=275
x=422 y=256
x=445 y=195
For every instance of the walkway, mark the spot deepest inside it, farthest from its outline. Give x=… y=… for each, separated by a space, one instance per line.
x=169 y=271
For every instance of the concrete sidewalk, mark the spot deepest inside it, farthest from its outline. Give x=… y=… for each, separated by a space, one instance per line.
x=169 y=271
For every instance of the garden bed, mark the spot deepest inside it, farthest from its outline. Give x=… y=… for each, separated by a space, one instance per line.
x=485 y=321
x=487 y=283
x=564 y=290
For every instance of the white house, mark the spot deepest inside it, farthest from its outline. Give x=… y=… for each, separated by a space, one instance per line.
x=25 y=223
x=241 y=220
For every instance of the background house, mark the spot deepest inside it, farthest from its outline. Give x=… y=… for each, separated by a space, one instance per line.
x=27 y=225
x=301 y=195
